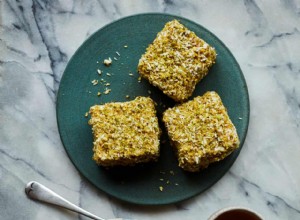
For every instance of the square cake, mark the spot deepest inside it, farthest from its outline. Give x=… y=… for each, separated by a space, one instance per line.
x=200 y=131
x=125 y=133
x=176 y=61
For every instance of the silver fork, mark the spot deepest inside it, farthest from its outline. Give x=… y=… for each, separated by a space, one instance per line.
x=37 y=191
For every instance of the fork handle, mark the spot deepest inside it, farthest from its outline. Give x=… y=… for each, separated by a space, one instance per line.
x=37 y=191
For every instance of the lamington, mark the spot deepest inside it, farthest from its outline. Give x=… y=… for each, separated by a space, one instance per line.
x=125 y=133
x=200 y=131
x=176 y=61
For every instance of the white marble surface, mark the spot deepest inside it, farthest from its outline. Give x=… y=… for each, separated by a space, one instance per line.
x=37 y=38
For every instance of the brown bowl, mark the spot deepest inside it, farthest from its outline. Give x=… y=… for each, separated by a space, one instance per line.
x=235 y=213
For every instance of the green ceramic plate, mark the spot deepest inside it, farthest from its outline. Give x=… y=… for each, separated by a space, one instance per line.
x=141 y=184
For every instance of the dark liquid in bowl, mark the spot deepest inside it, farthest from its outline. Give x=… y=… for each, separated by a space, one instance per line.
x=238 y=215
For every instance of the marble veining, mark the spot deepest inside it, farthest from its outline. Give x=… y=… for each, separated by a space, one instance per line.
x=37 y=39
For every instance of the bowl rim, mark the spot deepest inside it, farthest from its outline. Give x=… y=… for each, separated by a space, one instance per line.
x=231 y=208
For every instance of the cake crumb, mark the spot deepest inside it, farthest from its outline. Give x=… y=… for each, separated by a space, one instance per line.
x=118 y=53
x=107 y=62
x=139 y=79
x=94 y=82
x=161 y=188
x=127 y=96
x=107 y=91
x=99 y=93
x=86 y=114
x=99 y=71
x=125 y=46
x=108 y=74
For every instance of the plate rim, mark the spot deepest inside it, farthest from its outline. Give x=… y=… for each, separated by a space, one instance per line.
x=245 y=130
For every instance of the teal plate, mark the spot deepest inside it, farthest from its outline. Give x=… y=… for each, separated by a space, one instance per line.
x=140 y=184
